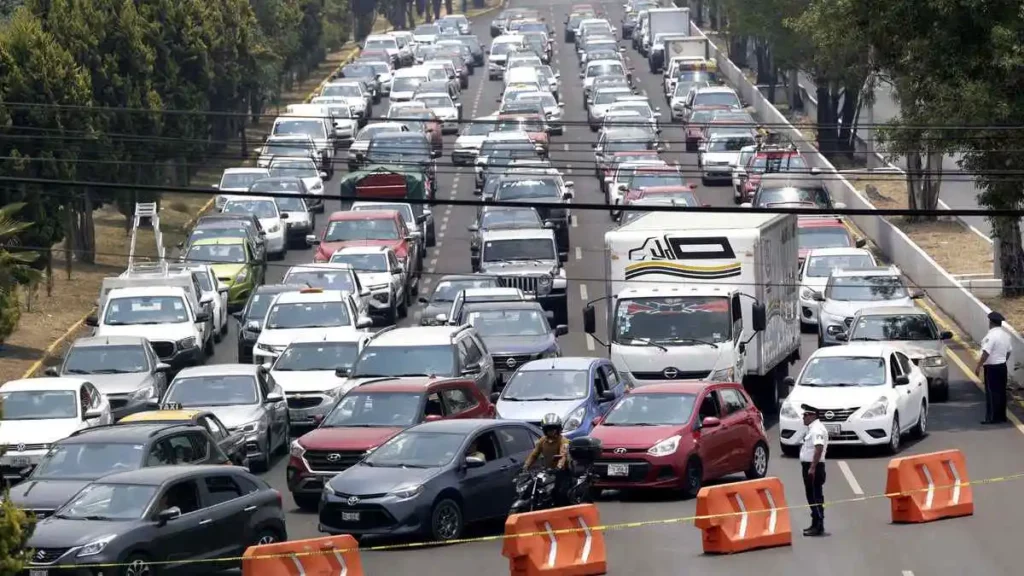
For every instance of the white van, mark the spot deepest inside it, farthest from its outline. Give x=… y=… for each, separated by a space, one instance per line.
x=498 y=54
x=406 y=81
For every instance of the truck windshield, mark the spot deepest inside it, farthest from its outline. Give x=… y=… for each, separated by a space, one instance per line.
x=672 y=321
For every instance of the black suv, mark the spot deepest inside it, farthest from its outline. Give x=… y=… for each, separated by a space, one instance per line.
x=92 y=453
x=255 y=310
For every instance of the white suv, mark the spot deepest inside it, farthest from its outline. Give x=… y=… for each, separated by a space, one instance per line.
x=270 y=217
x=381 y=273
x=852 y=290
x=307 y=313
x=313 y=372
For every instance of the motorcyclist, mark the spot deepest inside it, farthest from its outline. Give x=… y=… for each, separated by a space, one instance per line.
x=553 y=448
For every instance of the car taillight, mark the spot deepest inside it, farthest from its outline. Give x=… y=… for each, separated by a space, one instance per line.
x=280 y=499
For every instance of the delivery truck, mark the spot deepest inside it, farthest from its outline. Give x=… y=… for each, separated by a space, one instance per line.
x=699 y=296
x=664 y=22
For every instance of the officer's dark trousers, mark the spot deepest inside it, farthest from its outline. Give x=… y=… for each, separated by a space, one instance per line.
x=995 y=392
x=814 y=488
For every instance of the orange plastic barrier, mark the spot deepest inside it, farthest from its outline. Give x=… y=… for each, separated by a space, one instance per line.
x=929 y=487
x=559 y=542
x=743 y=516
x=330 y=556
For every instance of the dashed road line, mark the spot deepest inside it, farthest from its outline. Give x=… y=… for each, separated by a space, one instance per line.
x=583 y=292
x=575 y=221
x=590 y=343
x=579 y=253
x=433 y=262
x=850 y=478
x=908 y=573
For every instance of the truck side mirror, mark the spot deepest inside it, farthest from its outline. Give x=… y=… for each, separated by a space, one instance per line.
x=759 y=317
x=589 y=319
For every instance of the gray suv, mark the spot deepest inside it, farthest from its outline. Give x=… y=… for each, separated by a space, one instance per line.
x=528 y=260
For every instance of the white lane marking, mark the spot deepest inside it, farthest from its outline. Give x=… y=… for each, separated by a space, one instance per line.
x=444 y=226
x=590 y=343
x=433 y=262
x=575 y=221
x=568 y=168
x=908 y=573
x=579 y=253
x=850 y=478
x=583 y=292
x=437 y=246
x=566 y=146
x=418 y=315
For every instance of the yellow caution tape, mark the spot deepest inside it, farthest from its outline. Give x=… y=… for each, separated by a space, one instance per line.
x=545 y=533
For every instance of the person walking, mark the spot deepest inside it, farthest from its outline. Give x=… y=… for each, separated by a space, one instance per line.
x=812 y=463
x=995 y=352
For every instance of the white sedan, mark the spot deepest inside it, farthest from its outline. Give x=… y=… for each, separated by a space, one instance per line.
x=447 y=111
x=867 y=394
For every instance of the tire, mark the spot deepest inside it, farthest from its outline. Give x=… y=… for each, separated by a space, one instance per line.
x=693 y=478
x=306 y=502
x=758 y=462
x=894 y=445
x=940 y=394
x=266 y=536
x=920 y=429
x=216 y=336
x=403 y=306
x=224 y=329
x=208 y=347
x=391 y=318
x=137 y=565
x=446 y=521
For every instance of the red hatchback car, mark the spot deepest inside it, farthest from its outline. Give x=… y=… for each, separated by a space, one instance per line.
x=678 y=435
x=367 y=417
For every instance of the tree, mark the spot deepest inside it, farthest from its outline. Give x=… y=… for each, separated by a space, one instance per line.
x=15 y=263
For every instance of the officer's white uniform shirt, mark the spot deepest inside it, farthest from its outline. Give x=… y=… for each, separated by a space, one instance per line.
x=997 y=344
x=816 y=435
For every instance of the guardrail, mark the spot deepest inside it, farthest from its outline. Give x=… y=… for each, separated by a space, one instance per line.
x=969 y=313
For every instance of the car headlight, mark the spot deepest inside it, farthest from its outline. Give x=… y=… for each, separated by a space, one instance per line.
x=833 y=329
x=407 y=492
x=575 y=419
x=275 y=228
x=144 y=393
x=96 y=546
x=243 y=274
x=806 y=293
x=666 y=447
x=878 y=409
x=189 y=342
x=251 y=427
x=932 y=362
x=788 y=411
x=296 y=449
x=723 y=375
x=552 y=352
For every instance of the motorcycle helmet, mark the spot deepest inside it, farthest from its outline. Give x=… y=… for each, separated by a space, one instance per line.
x=551 y=421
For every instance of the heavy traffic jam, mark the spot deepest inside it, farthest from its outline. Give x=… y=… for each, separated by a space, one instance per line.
x=359 y=387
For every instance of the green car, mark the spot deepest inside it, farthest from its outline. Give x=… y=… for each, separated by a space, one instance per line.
x=234 y=262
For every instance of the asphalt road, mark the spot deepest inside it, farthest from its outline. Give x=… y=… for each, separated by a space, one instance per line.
x=862 y=541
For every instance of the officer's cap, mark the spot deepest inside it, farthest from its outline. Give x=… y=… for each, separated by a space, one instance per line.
x=996 y=318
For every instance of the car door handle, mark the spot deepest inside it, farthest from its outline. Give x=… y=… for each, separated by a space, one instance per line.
x=249 y=509
x=205 y=522
x=505 y=467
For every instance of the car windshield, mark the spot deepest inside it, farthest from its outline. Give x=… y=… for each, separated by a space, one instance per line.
x=426 y=30
x=106 y=359
x=688 y=321
x=88 y=461
x=655 y=178
x=479 y=127
x=605 y=69
x=822 y=266
x=293 y=170
x=378 y=68
x=777 y=163
x=502 y=48
x=843 y=371
x=259 y=208
x=39 y=405
x=609 y=96
x=694 y=76
x=508 y=150
x=323 y=279
x=313 y=128
x=510 y=322
x=824 y=237
x=404 y=209
x=362 y=229
x=678 y=197
x=518 y=249
x=240 y=180
x=296 y=315
x=400 y=361
x=358 y=71
x=108 y=502
x=866 y=288
x=651 y=410
x=639 y=109
x=376 y=410
x=510 y=218
x=717 y=99
x=258 y=306
x=367 y=134
x=290 y=148
x=303 y=356
x=216 y=253
x=399 y=150
x=734 y=144
x=436 y=101
x=406 y=84
x=291 y=204
x=217 y=232
x=545 y=99
x=139 y=310
x=520 y=125
x=380 y=44
x=414 y=449
x=363 y=262
x=903 y=327
x=528 y=188
x=447 y=290
x=817 y=196
x=547 y=385
x=223 y=390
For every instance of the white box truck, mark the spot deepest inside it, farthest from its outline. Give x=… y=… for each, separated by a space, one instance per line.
x=696 y=295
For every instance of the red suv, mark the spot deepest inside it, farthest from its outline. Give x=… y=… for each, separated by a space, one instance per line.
x=656 y=437
x=370 y=415
x=369 y=228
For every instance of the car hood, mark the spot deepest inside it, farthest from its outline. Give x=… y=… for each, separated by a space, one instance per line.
x=916 y=349
x=347 y=438
x=836 y=398
x=721 y=157
x=848 y=308
x=518 y=267
x=361 y=480
x=234 y=416
x=613 y=437
x=446 y=112
x=328 y=248
x=48 y=494
x=61 y=533
x=167 y=332
x=432 y=310
x=815 y=283
x=115 y=384
x=227 y=272
x=374 y=279
x=286 y=337
x=15 y=432
x=311 y=381
x=502 y=345
x=535 y=410
x=470 y=141
x=354 y=101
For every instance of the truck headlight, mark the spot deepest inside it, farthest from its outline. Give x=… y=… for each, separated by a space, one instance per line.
x=666 y=447
x=251 y=427
x=575 y=418
x=932 y=362
x=878 y=409
x=723 y=375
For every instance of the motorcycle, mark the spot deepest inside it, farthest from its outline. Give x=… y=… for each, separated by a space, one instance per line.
x=535 y=489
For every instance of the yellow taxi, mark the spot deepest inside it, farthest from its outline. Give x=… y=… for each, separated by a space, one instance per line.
x=232 y=443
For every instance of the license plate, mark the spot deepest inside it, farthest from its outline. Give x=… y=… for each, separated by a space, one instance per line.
x=38 y=572
x=20 y=461
x=350 y=516
x=833 y=429
x=618 y=469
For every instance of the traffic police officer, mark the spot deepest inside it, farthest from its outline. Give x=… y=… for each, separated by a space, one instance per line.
x=812 y=463
x=995 y=352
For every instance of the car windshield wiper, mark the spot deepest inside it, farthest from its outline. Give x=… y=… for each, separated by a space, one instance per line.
x=648 y=342
x=412 y=375
x=692 y=340
x=77 y=371
x=865 y=339
x=113 y=371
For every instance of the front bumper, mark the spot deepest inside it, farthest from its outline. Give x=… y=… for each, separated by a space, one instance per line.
x=300 y=229
x=717 y=172
x=185 y=357
x=809 y=312
x=465 y=155
x=275 y=243
x=852 y=432
x=828 y=327
x=302 y=414
x=17 y=465
x=641 y=470
x=384 y=515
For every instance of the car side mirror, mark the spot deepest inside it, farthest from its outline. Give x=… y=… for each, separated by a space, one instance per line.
x=945 y=335
x=860 y=243
x=561 y=330
x=495 y=396
x=442 y=318
x=323 y=175
x=92 y=320
x=162 y=367
x=274 y=398
x=92 y=414
x=839 y=206
x=758 y=317
x=473 y=228
x=432 y=418
x=902 y=380
x=202 y=316
x=917 y=294
x=475 y=462
x=597 y=421
x=817 y=296
x=589 y=319
x=364 y=322
x=842 y=337
x=710 y=422
x=266 y=366
x=311 y=240
x=341 y=372
x=318 y=419
x=567 y=195
x=284 y=216
x=165 y=516
x=471 y=369
x=423 y=300
x=789 y=382
x=252 y=326
x=52 y=371
x=746 y=205
x=607 y=396
x=215 y=186
x=206 y=300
